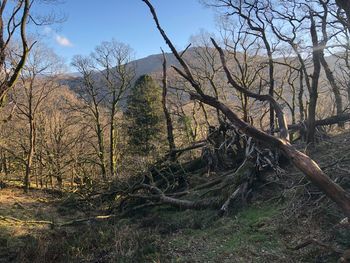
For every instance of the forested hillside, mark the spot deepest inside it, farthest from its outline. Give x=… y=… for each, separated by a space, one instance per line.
x=234 y=148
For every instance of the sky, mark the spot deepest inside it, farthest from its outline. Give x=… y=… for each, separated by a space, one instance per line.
x=89 y=22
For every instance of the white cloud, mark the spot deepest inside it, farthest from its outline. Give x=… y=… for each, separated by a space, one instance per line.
x=60 y=39
x=47 y=30
x=63 y=41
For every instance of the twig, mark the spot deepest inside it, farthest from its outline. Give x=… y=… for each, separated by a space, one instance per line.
x=224 y=209
x=319 y=243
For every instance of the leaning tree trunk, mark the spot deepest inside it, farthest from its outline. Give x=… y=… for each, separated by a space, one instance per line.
x=335 y=87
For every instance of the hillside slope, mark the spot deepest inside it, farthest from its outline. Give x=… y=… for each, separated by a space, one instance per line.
x=287 y=220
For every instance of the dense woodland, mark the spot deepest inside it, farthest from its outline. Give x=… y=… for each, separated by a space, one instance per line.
x=213 y=129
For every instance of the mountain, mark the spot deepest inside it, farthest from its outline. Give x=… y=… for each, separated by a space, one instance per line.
x=148 y=65
x=152 y=65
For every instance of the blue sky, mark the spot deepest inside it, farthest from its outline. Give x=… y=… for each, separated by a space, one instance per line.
x=89 y=22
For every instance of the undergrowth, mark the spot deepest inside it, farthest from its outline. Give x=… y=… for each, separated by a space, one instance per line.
x=278 y=218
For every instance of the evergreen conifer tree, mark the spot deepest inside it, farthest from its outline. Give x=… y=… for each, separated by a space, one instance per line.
x=145 y=117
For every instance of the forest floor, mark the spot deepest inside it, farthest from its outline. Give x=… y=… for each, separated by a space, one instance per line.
x=52 y=227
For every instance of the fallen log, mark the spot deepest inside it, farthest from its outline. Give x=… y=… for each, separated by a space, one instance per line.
x=194 y=146
x=328 y=121
x=158 y=195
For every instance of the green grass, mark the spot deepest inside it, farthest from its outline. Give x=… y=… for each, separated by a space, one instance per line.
x=252 y=230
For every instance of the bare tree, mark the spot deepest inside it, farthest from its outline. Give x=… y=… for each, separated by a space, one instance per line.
x=38 y=80
x=253 y=15
x=62 y=140
x=93 y=99
x=295 y=23
x=15 y=16
x=17 y=22
x=112 y=61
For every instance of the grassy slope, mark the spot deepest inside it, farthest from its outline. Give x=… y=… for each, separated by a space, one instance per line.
x=274 y=221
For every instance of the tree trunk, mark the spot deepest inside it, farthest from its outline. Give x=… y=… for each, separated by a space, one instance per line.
x=169 y=124
x=101 y=149
x=335 y=88
x=30 y=154
x=300 y=95
x=272 y=84
x=316 y=54
x=4 y=164
x=59 y=181
x=112 y=159
x=311 y=121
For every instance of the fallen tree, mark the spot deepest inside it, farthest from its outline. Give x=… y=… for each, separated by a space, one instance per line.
x=308 y=166
x=200 y=183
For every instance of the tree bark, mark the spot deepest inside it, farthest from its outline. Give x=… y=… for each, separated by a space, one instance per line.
x=30 y=155
x=169 y=124
x=32 y=136
x=333 y=83
x=100 y=138
x=316 y=54
x=112 y=159
x=300 y=95
x=271 y=82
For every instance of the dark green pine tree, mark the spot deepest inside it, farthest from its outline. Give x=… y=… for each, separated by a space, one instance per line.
x=145 y=117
